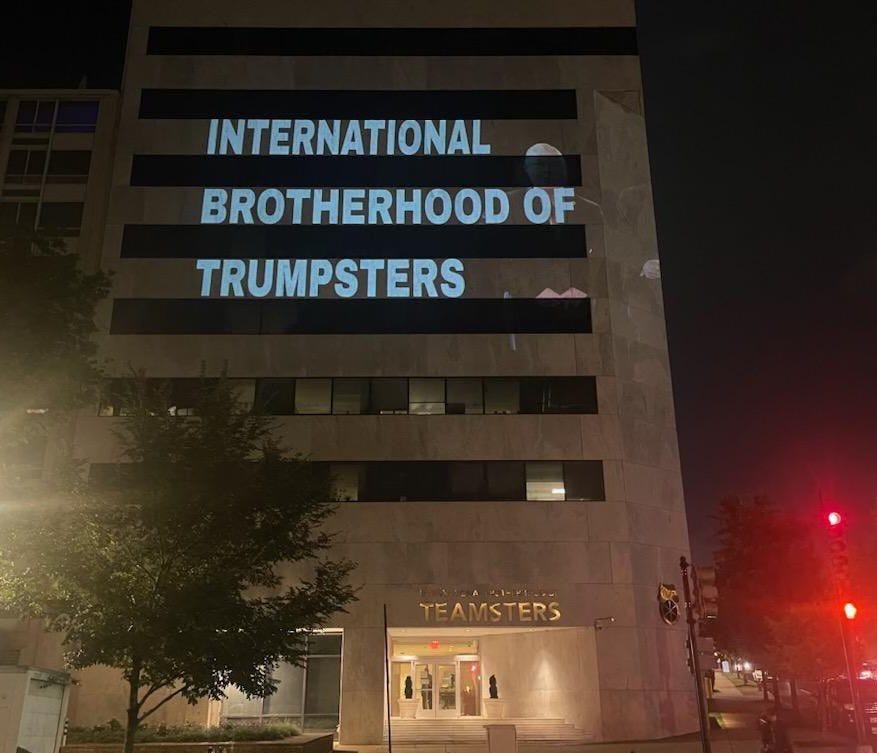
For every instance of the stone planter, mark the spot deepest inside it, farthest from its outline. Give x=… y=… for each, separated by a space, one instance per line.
x=494 y=708
x=408 y=708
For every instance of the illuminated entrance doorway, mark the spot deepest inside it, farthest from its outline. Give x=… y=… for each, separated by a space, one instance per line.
x=445 y=677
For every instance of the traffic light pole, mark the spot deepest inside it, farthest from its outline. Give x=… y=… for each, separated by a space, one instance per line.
x=695 y=658
x=849 y=644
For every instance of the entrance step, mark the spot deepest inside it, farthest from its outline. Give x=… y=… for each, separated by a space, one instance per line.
x=471 y=730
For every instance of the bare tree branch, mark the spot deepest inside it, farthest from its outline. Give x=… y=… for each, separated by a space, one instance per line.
x=153 y=688
x=163 y=701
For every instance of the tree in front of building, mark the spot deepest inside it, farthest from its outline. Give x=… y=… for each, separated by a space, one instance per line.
x=774 y=595
x=806 y=641
x=169 y=568
x=47 y=354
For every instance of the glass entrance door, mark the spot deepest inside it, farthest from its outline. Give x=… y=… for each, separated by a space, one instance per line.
x=446 y=689
x=424 y=675
x=436 y=687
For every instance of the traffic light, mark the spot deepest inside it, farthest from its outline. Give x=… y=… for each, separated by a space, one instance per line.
x=839 y=560
x=850 y=610
x=706 y=594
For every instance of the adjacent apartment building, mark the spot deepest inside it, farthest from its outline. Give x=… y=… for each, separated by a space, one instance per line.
x=422 y=237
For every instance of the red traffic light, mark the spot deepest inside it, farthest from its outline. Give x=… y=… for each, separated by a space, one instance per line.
x=834 y=518
x=850 y=610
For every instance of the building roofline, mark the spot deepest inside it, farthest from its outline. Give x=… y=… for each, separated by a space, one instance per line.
x=56 y=92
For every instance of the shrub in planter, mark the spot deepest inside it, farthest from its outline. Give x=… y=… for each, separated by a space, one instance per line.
x=494 y=693
x=113 y=732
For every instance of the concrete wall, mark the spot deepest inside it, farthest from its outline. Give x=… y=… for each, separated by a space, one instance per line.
x=101 y=695
x=546 y=674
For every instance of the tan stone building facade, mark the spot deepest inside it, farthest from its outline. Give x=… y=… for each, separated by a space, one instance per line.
x=474 y=340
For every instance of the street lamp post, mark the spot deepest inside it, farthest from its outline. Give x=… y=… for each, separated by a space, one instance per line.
x=695 y=658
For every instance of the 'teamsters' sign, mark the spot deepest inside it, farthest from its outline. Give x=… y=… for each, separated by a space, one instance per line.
x=494 y=605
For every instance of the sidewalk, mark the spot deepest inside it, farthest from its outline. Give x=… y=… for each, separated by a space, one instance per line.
x=673 y=746
x=736 y=707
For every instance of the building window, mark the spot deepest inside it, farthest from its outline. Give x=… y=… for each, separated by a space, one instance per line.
x=346 y=481
x=68 y=166
x=441 y=480
x=389 y=396
x=63 y=217
x=465 y=396
x=180 y=396
x=502 y=396
x=287 y=701
x=415 y=396
x=25 y=166
x=505 y=480
x=77 y=116
x=34 y=116
x=274 y=397
x=353 y=316
x=558 y=395
x=245 y=392
x=426 y=396
x=313 y=396
x=545 y=481
x=308 y=695
x=583 y=480
x=466 y=480
x=350 y=396
x=183 y=397
x=18 y=213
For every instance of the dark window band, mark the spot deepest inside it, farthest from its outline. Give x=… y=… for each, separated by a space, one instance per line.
x=355 y=172
x=328 y=241
x=358 y=104
x=226 y=40
x=437 y=480
x=147 y=316
x=375 y=396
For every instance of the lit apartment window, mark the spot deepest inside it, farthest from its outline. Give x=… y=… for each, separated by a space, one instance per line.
x=245 y=392
x=426 y=396
x=313 y=396
x=346 y=481
x=545 y=481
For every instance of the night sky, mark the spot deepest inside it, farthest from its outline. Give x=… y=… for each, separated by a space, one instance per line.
x=761 y=118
